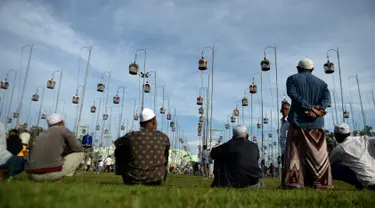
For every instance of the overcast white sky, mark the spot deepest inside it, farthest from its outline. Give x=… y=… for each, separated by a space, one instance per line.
x=174 y=33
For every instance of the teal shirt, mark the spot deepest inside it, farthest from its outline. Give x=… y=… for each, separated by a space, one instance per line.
x=306 y=90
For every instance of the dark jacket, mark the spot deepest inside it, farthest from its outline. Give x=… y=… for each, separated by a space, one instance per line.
x=306 y=90
x=236 y=164
x=14 y=144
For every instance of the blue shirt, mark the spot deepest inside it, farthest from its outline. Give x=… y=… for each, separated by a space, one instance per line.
x=306 y=90
x=283 y=133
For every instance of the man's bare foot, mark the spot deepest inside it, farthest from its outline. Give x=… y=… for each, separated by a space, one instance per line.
x=59 y=180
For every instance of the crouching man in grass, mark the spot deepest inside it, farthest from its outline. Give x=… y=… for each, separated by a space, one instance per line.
x=142 y=156
x=237 y=162
x=55 y=154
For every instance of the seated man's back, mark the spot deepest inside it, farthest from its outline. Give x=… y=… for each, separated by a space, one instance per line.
x=237 y=162
x=142 y=156
x=48 y=152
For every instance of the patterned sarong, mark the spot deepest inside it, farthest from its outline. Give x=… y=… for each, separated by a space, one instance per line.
x=306 y=159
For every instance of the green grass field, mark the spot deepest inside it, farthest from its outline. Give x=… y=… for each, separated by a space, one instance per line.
x=107 y=190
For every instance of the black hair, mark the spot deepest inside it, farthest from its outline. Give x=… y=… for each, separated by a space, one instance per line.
x=300 y=69
x=14 y=131
x=204 y=147
x=341 y=137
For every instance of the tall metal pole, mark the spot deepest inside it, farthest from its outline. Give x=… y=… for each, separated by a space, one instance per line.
x=40 y=108
x=25 y=80
x=261 y=98
x=339 y=66
x=143 y=75
x=351 y=109
x=134 y=108
x=205 y=124
x=122 y=107
x=155 y=84
x=334 y=100
x=77 y=110
x=11 y=95
x=97 y=118
x=372 y=94
x=58 y=91
x=84 y=86
x=360 y=100
x=106 y=100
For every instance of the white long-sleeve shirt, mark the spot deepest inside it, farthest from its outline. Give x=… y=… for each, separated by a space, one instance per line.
x=357 y=153
x=4 y=153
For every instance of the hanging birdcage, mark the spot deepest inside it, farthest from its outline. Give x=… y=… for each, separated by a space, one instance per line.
x=201 y=118
x=200 y=124
x=106 y=131
x=4 y=84
x=100 y=87
x=259 y=125
x=93 y=109
x=227 y=126
x=274 y=143
x=253 y=88
x=329 y=67
x=199 y=147
x=44 y=116
x=25 y=125
x=97 y=128
x=265 y=147
x=171 y=124
x=105 y=117
x=236 y=112
x=122 y=128
x=355 y=133
x=133 y=68
x=75 y=99
x=346 y=114
x=200 y=100
x=265 y=120
x=51 y=84
x=265 y=64
x=202 y=64
x=147 y=87
x=135 y=116
x=201 y=110
x=181 y=140
x=270 y=135
x=199 y=131
x=162 y=110
x=233 y=119
x=15 y=115
x=173 y=129
x=116 y=99
x=255 y=138
x=35 y=97
x=245 y=102
x=169 y=116
x=9 y=120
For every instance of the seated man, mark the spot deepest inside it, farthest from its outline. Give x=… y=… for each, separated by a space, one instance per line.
x=352 y=160
x=237 y=162
x=142 y=156
x=10 y=164
x=55 y=154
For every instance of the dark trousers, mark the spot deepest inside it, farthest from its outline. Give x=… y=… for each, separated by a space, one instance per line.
x=343 y=173
x=131 y=182
x=14 y=165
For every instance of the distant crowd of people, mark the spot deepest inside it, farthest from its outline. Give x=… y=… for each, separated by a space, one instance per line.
x=141 y=157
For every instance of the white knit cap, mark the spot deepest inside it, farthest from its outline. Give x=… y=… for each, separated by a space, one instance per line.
x=25 y=137
x=239 y=131
x=306 y=63
x=147 y=114
x=342 y=129
x=54 y=119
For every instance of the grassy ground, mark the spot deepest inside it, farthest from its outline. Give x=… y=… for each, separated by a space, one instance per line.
x=106 y=190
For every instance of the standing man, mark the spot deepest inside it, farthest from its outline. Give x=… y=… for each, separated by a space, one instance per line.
x=142 y=156
x=55 y=154
x=306 y=155
x=206 y=162
x=285 y=107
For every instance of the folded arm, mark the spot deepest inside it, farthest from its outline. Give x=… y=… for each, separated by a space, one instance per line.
x=72 y=141
x=293 y=94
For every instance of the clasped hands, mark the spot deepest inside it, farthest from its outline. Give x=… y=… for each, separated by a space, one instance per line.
x=315 y=112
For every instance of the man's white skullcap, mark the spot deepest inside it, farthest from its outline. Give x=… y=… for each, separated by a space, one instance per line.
x=306 y=63
x=147 y=114
x=239 y=131
x=25 y=137
x=54 y=119
x=342 y=129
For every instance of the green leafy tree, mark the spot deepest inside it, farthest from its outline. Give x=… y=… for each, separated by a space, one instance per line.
x=367 y=131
